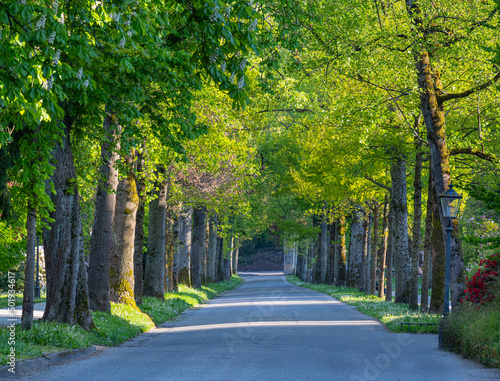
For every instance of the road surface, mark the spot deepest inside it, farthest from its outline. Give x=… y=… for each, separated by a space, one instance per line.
x=269 y=329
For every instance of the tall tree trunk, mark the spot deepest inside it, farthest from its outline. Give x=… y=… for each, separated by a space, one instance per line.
x=236 y=255
x=417 y=222
x=220 y=259
x=204 y=259
x=155 y=255
x=374 y=246
x=323 y=247
x=364 y=254
x=432 y=107
x=315 y=253
x=29 y=270
x=228 y=259
x=382 y=251
x=424 y=298
x=400 y=243
x=102 y=229
x=182 y=257
x=389 y=255
x=212 y=249
x=438 y=258
x=199 y=243
x=67 y=293
x=354 y=261
x=139 y=231
x=340 y=252
x=121 y=274
x=305 y=262
x=168 y=285
x=331 y=239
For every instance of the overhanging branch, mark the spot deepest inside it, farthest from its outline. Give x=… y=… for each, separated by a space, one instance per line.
x=475 y=152
x=442 y=97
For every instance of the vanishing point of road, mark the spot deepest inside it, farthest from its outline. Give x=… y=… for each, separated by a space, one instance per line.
x=269 y=329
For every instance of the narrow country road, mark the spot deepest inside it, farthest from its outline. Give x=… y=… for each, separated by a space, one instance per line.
x=269 y=329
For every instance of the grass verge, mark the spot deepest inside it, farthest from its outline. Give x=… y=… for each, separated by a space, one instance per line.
x=388 y=313
x=4 y=300
x=122 y=324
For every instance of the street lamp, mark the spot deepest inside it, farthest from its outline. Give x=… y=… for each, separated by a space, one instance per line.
x=450 y=203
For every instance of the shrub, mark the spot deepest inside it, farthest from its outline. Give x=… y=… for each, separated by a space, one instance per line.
x=480 y=287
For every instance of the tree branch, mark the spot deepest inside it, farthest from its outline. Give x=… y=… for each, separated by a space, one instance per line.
x=286 y=110
x=470 y=151
x=442 y=97
x=376 y=183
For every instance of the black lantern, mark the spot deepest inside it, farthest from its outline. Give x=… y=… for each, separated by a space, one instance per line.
x=450 y=202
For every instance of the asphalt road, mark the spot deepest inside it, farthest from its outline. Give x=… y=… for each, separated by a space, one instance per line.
x=269 y=329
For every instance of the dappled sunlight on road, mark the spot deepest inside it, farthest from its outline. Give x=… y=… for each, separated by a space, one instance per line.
x=273 y=303
x=207 y=327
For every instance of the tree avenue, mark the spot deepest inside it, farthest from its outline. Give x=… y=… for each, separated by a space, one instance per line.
x=146 y=141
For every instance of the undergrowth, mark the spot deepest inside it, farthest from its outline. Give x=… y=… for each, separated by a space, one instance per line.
x=474 y=330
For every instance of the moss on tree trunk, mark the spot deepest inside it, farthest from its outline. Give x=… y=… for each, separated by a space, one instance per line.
x=121 y=274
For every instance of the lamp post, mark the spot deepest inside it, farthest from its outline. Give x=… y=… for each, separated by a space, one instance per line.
x=450 y=204
x=37 y=279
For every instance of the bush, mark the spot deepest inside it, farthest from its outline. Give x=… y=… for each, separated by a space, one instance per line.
x=473 y=328
x=480 y=288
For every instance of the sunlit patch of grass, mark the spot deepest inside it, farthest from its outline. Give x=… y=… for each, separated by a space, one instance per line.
x=388 y=313
x=112 y=328
x=187 y=297
x=18 y=299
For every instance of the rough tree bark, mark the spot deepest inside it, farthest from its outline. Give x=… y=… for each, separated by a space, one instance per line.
x=121 y=273
x=355 y=251
x=438 y=257
x=340 y=252
x=168 y=284
x=323 y=249
x=389 y=255
x=364 y=254
x=204 y=259
x=374 y=246
x=330 y=272
x=212 y=249
x=139 y=231
x=198 y=244
x=29 y=270
x=101 y=238
x=182 y=254
x=417 y=222
x=155 y=255
x=382 y=250
x=424 y=298
x=228 y=260
x=236 y=255
x=220 y=259
x=67 y=292
x=400 y=243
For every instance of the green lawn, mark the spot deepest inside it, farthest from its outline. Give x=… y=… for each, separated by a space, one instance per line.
x=4 y=300
x=123 y=323
x=388 y=313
